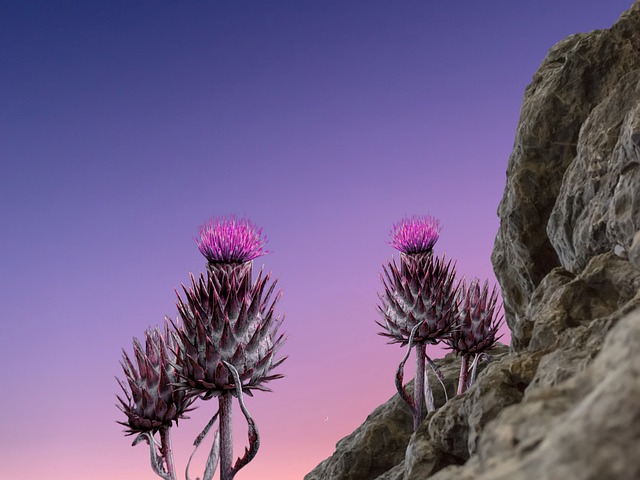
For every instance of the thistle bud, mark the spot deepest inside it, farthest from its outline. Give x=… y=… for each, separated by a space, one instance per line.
x=478 y=319
x=152 y=400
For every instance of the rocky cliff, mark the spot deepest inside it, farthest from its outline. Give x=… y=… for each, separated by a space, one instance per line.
x=563 y=402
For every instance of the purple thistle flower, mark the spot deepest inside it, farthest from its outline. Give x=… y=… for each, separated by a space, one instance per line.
x=416 y=234
x=231 y=240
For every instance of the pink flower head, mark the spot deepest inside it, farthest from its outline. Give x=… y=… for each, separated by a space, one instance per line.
x=415 y=234
x=231 y=240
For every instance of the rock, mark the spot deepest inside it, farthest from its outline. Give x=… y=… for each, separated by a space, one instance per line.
x=634 y=251
x=396 y=473
x=564 y=301
x=598 y=206
x=423 y=457
x=454 y=429
x=577 y=75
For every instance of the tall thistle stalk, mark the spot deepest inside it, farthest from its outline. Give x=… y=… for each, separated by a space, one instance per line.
x=223 y=346
x=417 y=305
x=478 y=326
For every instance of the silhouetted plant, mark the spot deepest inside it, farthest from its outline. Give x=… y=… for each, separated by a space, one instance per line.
x=418 y=303
x=477 y=329
x=226 y=342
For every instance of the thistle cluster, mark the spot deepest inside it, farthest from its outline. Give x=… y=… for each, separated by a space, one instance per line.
x=223 y=345
x=422 y=304
x=224 y=342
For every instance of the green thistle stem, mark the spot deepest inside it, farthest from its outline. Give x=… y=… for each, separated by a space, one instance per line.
x=462 y=383
x=419 y=386
x=226 y=436
x=167 y=451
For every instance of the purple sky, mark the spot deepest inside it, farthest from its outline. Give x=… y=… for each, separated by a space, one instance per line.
x=126 y=125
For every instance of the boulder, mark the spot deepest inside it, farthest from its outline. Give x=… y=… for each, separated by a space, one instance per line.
x=575 y=88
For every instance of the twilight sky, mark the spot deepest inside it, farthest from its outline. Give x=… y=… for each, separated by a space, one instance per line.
x=125 y=125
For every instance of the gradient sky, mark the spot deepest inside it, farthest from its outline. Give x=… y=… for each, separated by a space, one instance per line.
x=125 y=125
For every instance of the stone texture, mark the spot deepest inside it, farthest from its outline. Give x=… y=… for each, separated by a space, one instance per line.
x=575 y=77
x=634 y=251
x=587 y=427
x=598 y=206
x=564 y=301
x=450 y=435
x=396 y=473
x=563 y=403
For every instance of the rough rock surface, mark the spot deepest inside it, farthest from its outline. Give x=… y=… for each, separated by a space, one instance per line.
x=562 y=115
x=634 y=251
x=563 y=403
x=598 y=206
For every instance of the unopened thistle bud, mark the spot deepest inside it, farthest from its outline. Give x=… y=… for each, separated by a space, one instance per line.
x=152 y=401
x=478 y=319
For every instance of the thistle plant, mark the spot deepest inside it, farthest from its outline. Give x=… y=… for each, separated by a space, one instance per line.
x=477 y=329
x=153 y=403
x=226 y=338
x=418 y=303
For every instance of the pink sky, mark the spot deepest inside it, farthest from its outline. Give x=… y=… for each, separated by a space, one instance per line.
x=127 y=125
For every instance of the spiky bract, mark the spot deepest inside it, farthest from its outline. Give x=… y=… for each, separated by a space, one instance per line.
x=478 y=319
x=422 y=288
x=226 y=317
x=416 y=234
x=231 y=240
x=152 y=401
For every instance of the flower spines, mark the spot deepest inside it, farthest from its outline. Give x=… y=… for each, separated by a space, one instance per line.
x=422 y=288
x=152 y=400
x=227 y=318
x=478 y=319
x=230 y=240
